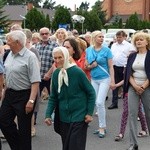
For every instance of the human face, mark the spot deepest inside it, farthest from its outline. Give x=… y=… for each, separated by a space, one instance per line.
x=61 y=35
x=44 y=35
x=119 y=38
x=35 y=40
x=12 y=44
x=88 y=38
x=99 y=39
x=141 y=42
x=69 y=47
x=58 y=59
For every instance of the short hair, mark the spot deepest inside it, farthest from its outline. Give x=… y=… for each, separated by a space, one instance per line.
x=28 y=33
x=17 y=35
x=75 y=46
x=45 y=28
x=121 y=33
x=16 y=27
x=143 y=35
x=36 y=35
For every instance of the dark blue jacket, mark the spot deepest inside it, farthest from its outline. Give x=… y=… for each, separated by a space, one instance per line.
x=128 y=71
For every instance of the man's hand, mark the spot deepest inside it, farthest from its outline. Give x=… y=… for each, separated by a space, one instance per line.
x=29 y=107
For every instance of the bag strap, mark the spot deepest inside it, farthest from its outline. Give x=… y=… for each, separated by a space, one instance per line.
x=104 y=70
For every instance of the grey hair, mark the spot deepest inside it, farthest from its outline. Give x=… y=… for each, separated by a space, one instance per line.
x=17 y=35
x=28 y=33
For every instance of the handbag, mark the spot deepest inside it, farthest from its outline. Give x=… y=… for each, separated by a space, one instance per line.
x=57 y=120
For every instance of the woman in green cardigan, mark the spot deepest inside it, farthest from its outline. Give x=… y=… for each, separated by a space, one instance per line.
x=75 y=97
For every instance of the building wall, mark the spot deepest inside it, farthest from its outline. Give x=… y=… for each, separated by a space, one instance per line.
x=126 y=8
x=122 y=7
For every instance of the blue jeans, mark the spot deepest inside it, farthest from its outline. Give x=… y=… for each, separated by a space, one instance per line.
x=101 y=88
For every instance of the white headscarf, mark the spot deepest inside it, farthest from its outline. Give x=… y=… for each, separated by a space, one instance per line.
x=63 y=76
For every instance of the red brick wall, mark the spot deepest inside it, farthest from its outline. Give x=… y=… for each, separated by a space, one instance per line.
x=123 y=8
x=127 y=8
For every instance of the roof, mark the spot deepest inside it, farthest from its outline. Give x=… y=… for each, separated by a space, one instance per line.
x=123 y=17
x=14 y=12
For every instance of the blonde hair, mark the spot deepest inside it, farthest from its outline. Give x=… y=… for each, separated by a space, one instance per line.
x=36 y=35
x=143 y=35
x=63 y=30
x=82 y=44
x=93 y=35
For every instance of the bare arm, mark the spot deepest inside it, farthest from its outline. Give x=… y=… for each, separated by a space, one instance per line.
x=111 y=70
x=33 y=95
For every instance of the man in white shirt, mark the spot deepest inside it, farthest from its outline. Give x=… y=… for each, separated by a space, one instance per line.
x=120 y=50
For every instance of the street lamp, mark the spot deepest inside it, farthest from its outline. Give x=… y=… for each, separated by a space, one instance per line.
x=24 y=20
x=78 y=18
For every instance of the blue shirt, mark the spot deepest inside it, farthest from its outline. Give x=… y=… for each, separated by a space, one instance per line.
x=101 y=57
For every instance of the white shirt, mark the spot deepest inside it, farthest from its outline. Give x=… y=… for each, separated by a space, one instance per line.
x=121 y=52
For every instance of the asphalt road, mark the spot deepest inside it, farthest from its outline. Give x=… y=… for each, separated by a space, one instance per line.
x=47 y=139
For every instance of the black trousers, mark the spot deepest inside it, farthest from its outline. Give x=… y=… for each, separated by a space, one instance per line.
x=46 y=84
x=19 y=138
x=74 y=135
x=118 y=71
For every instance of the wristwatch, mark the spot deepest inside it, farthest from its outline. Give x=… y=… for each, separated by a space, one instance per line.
x=31 y=101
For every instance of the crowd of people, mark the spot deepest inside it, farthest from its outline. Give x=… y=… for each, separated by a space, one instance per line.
x=77 y=72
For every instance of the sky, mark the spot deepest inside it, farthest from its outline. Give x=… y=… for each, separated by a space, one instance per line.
x=71 y=4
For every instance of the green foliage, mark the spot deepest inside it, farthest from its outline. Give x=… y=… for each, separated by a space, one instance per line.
x=120 y=25
x=92 y=21
x=133 y=22
x=35 y=20
x=98 y=8
x=84 y=6
x=47 y=22
x=4 y=22
x=62 y=16
x=49 y=4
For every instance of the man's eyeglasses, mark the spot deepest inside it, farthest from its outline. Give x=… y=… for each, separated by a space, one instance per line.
x=44 y=33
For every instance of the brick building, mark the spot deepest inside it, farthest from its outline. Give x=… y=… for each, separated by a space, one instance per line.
x=124 y=8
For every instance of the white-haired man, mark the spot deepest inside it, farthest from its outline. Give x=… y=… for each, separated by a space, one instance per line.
x=22 y=83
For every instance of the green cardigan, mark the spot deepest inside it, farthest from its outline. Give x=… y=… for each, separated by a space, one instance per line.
x=76 y=100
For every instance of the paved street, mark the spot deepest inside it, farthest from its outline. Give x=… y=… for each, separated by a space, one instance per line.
x=47 y=139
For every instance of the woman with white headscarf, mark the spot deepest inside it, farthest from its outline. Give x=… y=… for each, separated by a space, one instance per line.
x=75 y=97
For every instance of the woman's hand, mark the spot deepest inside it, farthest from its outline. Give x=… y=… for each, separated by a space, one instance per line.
x=94 y=64
x=48 y=121
x=88 y=118
x=139 y=89
x=113 y=86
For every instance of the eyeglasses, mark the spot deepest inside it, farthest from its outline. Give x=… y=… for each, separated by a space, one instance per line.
x=44 y=33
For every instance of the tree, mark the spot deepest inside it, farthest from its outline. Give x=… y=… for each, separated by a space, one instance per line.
x=49 y=4
x=62 y=16
x=94 y=23
x=84 y=6
x=91 y=22
x=133 y=22
x=101 y=14
x=4 y=22
x=47 y=22
x=35 y=20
